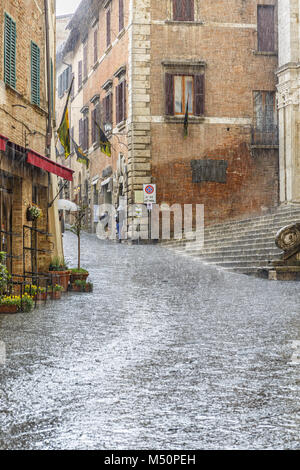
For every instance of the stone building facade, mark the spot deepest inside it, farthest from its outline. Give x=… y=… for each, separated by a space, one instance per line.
x=28 y=170
x=288 y=100
x=222 y=58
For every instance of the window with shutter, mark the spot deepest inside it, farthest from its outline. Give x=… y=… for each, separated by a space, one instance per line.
x=108 y=32
x=35 y=74
x=95 y=46
x=121 y=102
x=183 y=10
x=183 y=90
x=265 y=131
x=80 y=74
x=85 y=61
x=10 y=51
x=266 y=28
x=81 y=133
x=121 y=15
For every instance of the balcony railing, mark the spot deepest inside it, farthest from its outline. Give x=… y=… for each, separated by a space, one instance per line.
x=265 y=137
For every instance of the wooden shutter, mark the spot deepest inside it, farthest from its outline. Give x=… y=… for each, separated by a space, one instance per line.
x=95 y=46
x=266 y=28
x=121 y=15
x=80 y=133
x=10 y=51
x=98 y=119
x=199 y=94
x=79 y=74
x=169 y=94
x=117 y=105
x=85 y=60
x=35 y=74
x=183 y=10
x=93 y=126
x=124 y=99
x=108 y=28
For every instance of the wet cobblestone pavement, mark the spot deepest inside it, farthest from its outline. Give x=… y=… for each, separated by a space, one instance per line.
x=166 y=353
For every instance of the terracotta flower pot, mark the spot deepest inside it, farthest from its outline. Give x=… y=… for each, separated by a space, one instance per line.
x=41 y=296
x=55 y=295
x=79 y=277
x=8 y=309
x=61 y=278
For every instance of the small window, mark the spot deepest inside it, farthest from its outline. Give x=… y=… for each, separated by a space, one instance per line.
x=95 y=46
x=85 y=61
x=108 y=31
x=35 y=74
x=266 y=28
x=79 y=74
x=121 y=15
x=183 y=10
x=265 y=112
x=10 y=51
x=183 y=94
x=181 y=90
x=121 y=102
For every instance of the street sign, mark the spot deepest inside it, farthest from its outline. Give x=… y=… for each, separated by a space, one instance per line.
x=149 y=193
x=138 y=211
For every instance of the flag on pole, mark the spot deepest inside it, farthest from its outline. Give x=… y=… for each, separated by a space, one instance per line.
x=81 y=156
x=105 y=145
x=186 y=118
x=64 y=129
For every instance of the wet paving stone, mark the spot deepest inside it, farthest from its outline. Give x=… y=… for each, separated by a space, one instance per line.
x=166 y=353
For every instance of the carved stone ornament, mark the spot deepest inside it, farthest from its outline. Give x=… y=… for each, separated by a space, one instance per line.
x=288 y=238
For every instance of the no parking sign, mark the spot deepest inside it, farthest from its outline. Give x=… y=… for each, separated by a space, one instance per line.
x=149 y=193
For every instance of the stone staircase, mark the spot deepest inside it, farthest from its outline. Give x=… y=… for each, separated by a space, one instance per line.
x=246 y=246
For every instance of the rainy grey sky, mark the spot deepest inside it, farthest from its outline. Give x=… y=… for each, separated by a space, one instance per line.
x=66 y=6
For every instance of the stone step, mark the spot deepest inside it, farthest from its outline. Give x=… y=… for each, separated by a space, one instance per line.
x=236 y=253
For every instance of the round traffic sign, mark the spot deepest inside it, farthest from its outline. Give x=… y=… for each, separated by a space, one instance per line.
x=149 y=189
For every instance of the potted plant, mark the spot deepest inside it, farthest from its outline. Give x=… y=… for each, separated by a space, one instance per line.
x=15 y=303
x=60 y=274
x=78 y=273
x=55 y=291
x=37 y=293
x=33 y=212
x=82 y=286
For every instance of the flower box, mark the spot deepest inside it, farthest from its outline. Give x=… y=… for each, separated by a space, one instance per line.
x=79 y=276
x=8 y=308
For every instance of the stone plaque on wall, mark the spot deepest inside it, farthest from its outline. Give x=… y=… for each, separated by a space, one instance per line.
x=209 y=170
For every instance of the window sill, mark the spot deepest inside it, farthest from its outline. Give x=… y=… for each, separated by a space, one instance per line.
x=180 y=119
x=121 y=33
x=108 y=49
x=121 y=125
x=185 y=22
x=270 y=53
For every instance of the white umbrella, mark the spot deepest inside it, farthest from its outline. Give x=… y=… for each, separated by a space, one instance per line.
x=64 y=204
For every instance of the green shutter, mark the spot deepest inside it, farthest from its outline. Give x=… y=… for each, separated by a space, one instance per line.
x=35 y=74
x=10 y=51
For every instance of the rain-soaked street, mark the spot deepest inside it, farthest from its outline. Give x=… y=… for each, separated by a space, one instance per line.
x=166 y=353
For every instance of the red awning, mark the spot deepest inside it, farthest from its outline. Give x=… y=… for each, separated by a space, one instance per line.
x=49 y=165
x=3 y=141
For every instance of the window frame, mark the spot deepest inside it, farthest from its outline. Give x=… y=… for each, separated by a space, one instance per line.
x=175 y=10
x=183 y=89
x=261 y=30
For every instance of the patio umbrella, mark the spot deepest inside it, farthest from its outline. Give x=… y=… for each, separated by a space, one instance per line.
x=64 y=204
